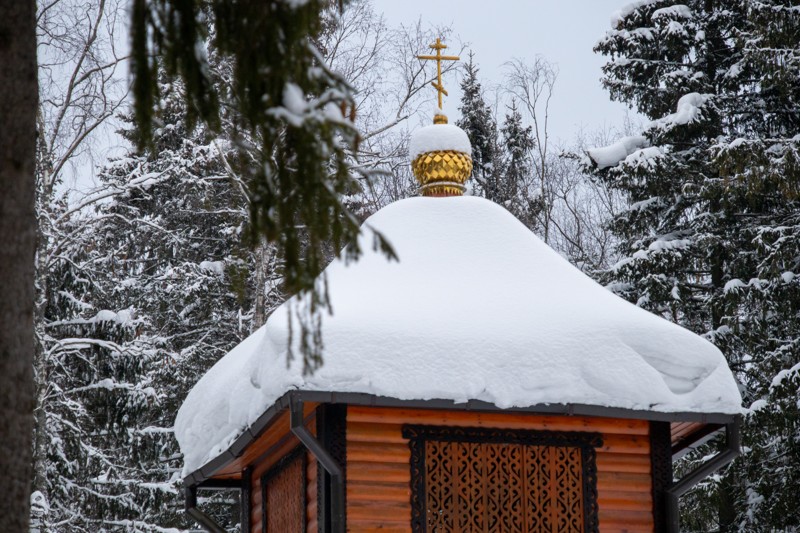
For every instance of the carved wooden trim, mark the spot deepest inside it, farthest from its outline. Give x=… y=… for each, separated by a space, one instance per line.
x=661 y=463
x=519 y=457
x=296 y=459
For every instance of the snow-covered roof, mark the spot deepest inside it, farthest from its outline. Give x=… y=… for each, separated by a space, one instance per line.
x=477 y=308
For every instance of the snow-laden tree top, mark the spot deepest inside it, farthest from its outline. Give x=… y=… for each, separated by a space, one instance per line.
x=476 y=308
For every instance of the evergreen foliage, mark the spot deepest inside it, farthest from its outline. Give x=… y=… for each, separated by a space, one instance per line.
x=711 y=237
x=516 y=175
x=154 y=288
x=298 y=138
x=477 y=120
x=148 y=280
x=502 y=160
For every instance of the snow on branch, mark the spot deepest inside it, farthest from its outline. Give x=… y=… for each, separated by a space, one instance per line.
x=689 y=109
x=612 y=155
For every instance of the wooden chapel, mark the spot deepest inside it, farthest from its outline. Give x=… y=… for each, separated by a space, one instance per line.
x=480 y=384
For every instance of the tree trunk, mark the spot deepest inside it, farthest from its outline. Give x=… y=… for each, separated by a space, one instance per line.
x=17 y=245
x=43 y=172
x=260 y=303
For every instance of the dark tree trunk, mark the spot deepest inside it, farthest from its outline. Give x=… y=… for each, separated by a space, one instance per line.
x=18 y=98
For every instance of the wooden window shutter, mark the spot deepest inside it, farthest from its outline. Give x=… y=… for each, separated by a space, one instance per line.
x=468 y=480
x=283 y=489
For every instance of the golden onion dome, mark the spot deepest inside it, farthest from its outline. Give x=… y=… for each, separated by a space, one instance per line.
x=441 y=158
x=441 y=153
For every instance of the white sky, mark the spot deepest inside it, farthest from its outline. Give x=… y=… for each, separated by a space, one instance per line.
x=562 y=31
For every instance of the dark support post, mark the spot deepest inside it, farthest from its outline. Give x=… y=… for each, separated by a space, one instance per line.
x=681 y=487
x=197 y=515
x=330 y=465
x=246 y=501
x=323 y=478
x=331 y=432
x=661 y=464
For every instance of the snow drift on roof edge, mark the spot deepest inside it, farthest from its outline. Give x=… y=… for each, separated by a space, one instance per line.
x=477 y=308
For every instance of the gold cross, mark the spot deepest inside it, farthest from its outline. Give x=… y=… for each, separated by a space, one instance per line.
x=439 y=46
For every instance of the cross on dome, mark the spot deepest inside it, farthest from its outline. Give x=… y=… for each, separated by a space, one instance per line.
x=439 y=46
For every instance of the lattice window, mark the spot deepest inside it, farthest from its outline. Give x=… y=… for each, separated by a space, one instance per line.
x=467 y=480
x=283 y=490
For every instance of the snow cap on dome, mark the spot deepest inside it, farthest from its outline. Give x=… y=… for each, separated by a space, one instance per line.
x=439 y=136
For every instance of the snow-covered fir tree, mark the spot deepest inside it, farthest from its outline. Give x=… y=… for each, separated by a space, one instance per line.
x=94 y=390
x=513 y=184
x=152 y=277
x=184 y=269
x=157 y=285
x=477 y=120
x=711 y=237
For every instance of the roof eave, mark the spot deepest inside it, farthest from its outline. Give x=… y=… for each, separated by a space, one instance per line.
x=238 y=447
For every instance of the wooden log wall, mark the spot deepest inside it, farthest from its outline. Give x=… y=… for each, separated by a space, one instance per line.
x=378 y=472
x=275 y=444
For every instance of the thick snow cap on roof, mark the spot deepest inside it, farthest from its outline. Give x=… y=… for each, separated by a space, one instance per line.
x=476 y=308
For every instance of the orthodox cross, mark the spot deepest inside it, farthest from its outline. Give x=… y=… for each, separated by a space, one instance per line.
x=439 y=46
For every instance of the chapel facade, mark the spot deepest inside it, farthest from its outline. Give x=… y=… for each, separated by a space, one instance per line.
x=339 y=453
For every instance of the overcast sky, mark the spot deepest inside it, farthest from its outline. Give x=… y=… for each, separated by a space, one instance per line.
x=562 y=31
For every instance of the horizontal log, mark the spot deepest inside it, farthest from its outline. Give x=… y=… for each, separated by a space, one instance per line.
x=627 y=495
x=377 y=526
x=624 y=519
x=625 y=444
x=367 y=432
x=399 y=513
x=358 y=471
x=502 y=420
x=614 y=481
x=623 y=462
x=614 y=504
x=363 y=432
x=625 y=528
x=378 y=491
x=370 y=451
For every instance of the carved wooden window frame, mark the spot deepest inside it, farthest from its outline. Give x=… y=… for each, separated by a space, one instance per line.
x=298 y=454
x=418 y=435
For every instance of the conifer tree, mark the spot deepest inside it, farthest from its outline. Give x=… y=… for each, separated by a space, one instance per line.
x=477 y=120
x=156 y=285
x=296 y=114
x=513 y=185
x=184 y=267
x=710 y=239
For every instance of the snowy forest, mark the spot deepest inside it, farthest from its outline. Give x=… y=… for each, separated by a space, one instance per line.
x=151 y=271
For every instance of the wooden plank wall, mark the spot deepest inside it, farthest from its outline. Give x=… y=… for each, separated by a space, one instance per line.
x=274 y=445
x=378 y=473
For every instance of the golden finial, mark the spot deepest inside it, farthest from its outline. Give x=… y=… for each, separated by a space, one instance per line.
x=439 y=46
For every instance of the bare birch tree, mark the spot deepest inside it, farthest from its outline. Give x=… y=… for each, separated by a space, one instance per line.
x=81 y=88
x=532 y=85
